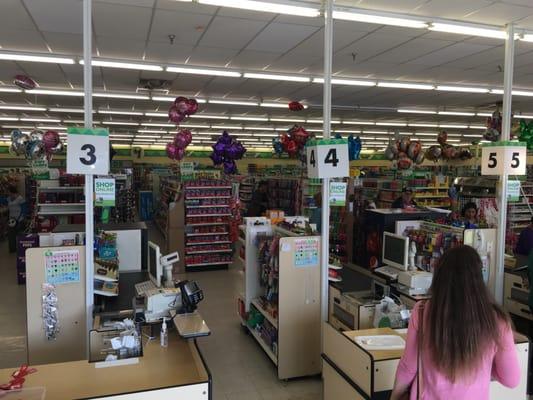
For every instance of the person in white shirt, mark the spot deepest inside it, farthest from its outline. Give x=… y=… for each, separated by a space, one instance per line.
x=14 y=204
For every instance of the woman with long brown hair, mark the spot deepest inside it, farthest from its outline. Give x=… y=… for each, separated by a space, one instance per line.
x=464 y=338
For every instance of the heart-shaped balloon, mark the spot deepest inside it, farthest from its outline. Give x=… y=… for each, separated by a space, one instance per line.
x=299 y=135
x=180 y=140
x=50 y=140
x=219 y=148
x=172 y=151
x=188 y=135
x=217 y=158
x=182 y=106
x=175 y=116
x=24 y=82
x=192 y=106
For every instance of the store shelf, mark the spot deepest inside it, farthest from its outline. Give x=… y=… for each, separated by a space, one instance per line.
x=207 y=197
x=207 y=187
x=61 y=204
x=57 y=212
x=208 y=251
x=208 y=223
x=263 y=345
x=104 y=293
x=265 y=313
x=207 y=233
x=390 y=190
x=104 y=278
x=206 y=206
x=245 y=191
x=211 y=263
x=60 y=188
x=207 y=215
x=204 y=243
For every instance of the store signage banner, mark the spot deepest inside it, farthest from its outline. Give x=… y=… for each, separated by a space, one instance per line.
x=327 y=158
x=513 y=190
x=506 y=157
x=88 y=151
x=187 y=170
x=104 y=192
x=39 y=169
x=337 y=194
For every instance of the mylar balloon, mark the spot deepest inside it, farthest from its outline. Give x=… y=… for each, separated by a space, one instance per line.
x=449 y=152
x=24 y=82
x=404 y=163
x=419 y=158
x=414 y=149
x=172 y=151
x=192 y=106
x=182 y=106
x=50 y=140
x=404 y=144
x=277 y=146
x=434 y=153
x=296 y=106
x=180 y=140
x=442 y=138
x=390 y=153
x=35 y=150
x=175 y=116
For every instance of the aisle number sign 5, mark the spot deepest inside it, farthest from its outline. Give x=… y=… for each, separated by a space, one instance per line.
x=507 y=157
x=88 y=151
x=327 y=158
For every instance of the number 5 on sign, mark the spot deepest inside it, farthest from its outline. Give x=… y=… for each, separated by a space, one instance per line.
x=88 y=151
x=327 y=158
x=505 y=157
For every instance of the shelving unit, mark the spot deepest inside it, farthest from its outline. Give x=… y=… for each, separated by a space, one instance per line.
x=280 y=304
x=206 y=212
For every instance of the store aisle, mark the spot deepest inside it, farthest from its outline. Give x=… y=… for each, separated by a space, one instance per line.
x=12 y=312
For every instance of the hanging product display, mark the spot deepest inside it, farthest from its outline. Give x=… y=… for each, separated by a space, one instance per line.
x=292 y=143
x=226 y=151
x=494 y=127
x=405 y=152
x=181 y=109
x=24 y=82
x=36 y=145
x=447 y=151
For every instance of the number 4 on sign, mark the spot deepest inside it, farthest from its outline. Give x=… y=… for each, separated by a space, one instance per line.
x=327 y=158
x=88 y=151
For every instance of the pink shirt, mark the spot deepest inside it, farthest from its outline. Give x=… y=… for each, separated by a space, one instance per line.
x=500 y=364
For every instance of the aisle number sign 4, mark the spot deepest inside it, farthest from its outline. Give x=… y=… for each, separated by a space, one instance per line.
x=506 y=157
x=327 y=158
x=88 y=151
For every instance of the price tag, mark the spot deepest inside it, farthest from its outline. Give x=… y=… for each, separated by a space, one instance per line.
x=507 y=157
x=88 y=151
x=327 y=158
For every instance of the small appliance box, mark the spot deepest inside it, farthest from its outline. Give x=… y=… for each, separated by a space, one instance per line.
x=24 y=242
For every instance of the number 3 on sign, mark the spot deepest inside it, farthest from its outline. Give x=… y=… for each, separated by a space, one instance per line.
x=327 y=158
x=88 y=151
x=500 y=158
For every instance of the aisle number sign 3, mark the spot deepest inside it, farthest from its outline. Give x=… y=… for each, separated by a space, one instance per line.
x=506 y=157
x=327 y=158
x=88 y=151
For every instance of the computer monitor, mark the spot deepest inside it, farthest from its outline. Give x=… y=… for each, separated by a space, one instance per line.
x=155 y=270
x=395 y=251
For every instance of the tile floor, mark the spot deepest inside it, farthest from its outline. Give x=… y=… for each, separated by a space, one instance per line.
x=239 y=367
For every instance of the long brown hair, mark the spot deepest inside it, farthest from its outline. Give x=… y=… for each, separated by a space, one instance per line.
x=462 y=316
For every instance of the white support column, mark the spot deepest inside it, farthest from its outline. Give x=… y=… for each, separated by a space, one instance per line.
x=328 y=57
x=88 y=119
x=502 y=189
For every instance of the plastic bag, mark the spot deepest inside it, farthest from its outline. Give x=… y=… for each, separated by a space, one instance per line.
x=388 y=314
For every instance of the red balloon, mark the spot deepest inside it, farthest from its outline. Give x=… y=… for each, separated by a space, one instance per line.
x=175 y=116
x=192 y=106
x=284 y=139
x=299 y=135
x=292 y=148
x=24 y=82
x=182 y=106
x=179 y=99
x=296 y=106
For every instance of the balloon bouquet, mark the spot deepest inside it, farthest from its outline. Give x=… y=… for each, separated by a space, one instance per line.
x=180 y=109
x=494 y=127
x=405 y=152
x=36 y=145
x=226 y=151
x=24 y=82
x=447 y=151
x=292 y=142
x=525 y=133
x=354 y=147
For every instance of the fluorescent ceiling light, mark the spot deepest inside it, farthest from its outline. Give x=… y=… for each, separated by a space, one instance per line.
x=207 y=116
x=120 y=123
x=474 y=136
x=413 y=111
x=468 y=30
x=496 y=91
x=399 y=85
x=250 y=118
x=111 y=112
x=74 y=93
x=204 y=71
x=68 y=110
x=147 y=137
x=462 y=89
x=172 y=98
x=194 y=126
x=151 y=131
x=155 y=114
x=424 y=125
x=22 y=108
x=53 y=128
x=348 y=82
x=76 y=121
x=161 y=125
x=124 y=65
x=9 y=119
x=266 y=134
x=391 y=124
x=57 y=121
x=226 y=127
x=459 y=114
x=482 y=127
x=258 y=128
x=287 y=120
x=234 y=102
x=346 y=131
x=358 y=122
x=376 y=132
x=522 y=93
x=275 y=77
x=121 y=139
x=484 y=114
x=10 y=90
x=115 y=135
x=451 y=126
x=263 y=6
x=121 y=96
x=276 y=105
x=378 y=19
x=524 y=116
x=453 y=140
x=33 y=58
x=425 y=134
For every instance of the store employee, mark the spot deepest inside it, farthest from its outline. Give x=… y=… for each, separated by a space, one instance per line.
x=405 y=200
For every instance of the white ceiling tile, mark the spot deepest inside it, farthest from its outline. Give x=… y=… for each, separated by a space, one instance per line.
x=7 y=71
x=385 y=5
x=526 y=22
x=211 y=56
x=134 y=21
x=45 y=74
x=249 y=59
x=183 y=7
x=412 y=49
x=483 y=60
x=453 y=9
x=291 y=19
x=64 y=43
x=136 y=3
x=449 y=54
x=22 y=40
x=231 y=33
x=281 y=37
x=120 y=48
x=291 y=64
x=187 y=27
x=120 y=79
x=168 y=53
x=14 y=16
x=245 y=14
x=499 y=14
x=57 y=15
x=372 y=45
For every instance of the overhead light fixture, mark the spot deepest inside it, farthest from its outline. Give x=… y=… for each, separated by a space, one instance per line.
x=204 y=71
x=413 y=111
x=392 y=123
x=9 y=119
x=119 y=139
x=496 y=91
x=266 y=134
x=250 y=118
x=346 y=131
x=263 y=6
x=481 y=127
x=423 y=125
x=483 y=114
x=468 y=30
x=68 y=110
x=379 y=19
x=161 y=125
x=375 y=132
x=207 y=116
x=151 y=131
x=194 y=126
x=34 y=58
x=74 y=93
x=347 y=82
x=227 y=127
x=258 y=128
x=172 y=98
x=522 y=93
x=234 y=102
x=275 y=105
x=53 y=128
x=120 y=123
x=287 y=120
x=457 y=113
x=400 y=85
x=111 y=112
x=124 y=65
x=425 y=134
x=523 y=116
x=147 y=137
x=474 y=136
x=462 y=89
x=452 y=126
x=22 y=108
x=155 y=114
x=345 y=122
x=276 y=77
x=9 y=90
x=116 y=135
x=41 y=120
x=121 y=96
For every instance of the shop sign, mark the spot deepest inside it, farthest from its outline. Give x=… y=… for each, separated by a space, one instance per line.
x=513 y=190
x=88 y=151
x=187 y=170
x=39 y=169
x=327 y=158
x=506 y=157
x=337 y=194
x=104 y=192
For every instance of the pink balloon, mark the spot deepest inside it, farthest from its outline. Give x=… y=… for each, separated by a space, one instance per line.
x=175 y=116
x=172 y=151
x=180 y=140
x=50 y=140
x=192 y=106
x=188 y=135
x=182 y=106
x=24 y=82
x=179 y=99
x=180 y=154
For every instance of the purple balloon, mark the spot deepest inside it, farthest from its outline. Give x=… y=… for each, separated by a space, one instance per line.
x=182 y=106
x=175 y=116
x=188 y=135
x=225 y=138
x=180 y=140
x=180 y=153
x=172 y=151
x=232 y=151
x=230 y=167
x=192 y=106
x=219 y=148
x=50 y=140
x=217 y=158
x=240 y=150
